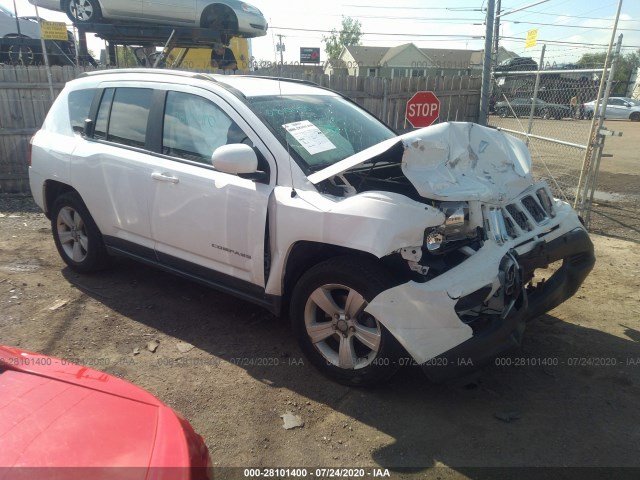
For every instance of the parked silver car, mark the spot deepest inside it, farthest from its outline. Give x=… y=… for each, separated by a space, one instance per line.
x=9 y=26
x=231 y=17
x=622 y=108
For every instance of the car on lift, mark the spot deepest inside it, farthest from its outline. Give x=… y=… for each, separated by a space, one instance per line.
x=230 y=17
x=521 y=107
x=620 y=108
x=20 y=42
x=12 y=29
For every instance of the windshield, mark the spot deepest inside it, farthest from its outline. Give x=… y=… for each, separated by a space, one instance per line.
x=320 y=129
x=6 y=12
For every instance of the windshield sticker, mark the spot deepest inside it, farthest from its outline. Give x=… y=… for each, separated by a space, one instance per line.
x=309 y=136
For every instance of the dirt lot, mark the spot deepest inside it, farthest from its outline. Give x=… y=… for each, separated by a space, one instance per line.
x=571 y=391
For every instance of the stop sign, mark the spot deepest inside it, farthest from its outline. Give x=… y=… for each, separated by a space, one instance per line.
x=423 y=109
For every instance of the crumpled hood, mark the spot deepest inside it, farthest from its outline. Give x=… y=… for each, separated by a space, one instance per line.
x=454 y=161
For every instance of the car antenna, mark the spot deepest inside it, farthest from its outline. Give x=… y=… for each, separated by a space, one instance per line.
x=293 y=188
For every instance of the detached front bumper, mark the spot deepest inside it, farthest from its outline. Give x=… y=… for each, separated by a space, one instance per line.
x=575 y=249
x=423 y=316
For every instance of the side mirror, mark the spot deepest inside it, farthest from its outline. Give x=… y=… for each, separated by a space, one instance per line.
x=235 y=159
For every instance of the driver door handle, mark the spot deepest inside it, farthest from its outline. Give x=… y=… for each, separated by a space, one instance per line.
x=164 y=177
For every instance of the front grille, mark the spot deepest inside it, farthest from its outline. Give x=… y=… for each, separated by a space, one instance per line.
x=534 y=209
x=545 y=201
x=519 y=217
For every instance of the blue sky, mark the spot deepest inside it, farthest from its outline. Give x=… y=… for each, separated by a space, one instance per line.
x=584 y=26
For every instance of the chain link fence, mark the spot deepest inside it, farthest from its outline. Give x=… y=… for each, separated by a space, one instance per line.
x=552 y=112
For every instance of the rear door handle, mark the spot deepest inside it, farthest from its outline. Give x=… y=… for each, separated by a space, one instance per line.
x=164 y=177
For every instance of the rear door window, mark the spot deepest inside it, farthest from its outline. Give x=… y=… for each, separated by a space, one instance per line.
x=129 y=115
x=123 y=115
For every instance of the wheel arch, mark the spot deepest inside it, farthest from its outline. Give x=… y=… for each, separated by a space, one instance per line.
x=305 y=254
x=216 y=9
x=52 y=189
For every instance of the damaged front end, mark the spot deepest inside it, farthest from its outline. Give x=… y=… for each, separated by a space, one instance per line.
x=469 y=286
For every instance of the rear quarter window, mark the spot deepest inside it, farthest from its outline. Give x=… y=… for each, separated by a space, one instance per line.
x=79 y=105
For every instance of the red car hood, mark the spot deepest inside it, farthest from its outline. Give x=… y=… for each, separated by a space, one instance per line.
x=57 y=414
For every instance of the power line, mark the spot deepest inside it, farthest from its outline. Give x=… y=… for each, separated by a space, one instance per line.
x=574 y=26
x=450 y=9
x=416 y=35
x=578 y=16
x=562 y=42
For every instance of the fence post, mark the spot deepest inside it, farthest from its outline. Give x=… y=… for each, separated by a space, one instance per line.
x=535 y=94
x=384 y=99
x=580 y=202
x=599 y=146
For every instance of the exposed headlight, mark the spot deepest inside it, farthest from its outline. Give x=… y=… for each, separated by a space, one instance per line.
x=434 y=239
x=455 y=227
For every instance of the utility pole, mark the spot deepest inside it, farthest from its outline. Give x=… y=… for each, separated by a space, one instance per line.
x=280 y=47
x=486 y=65
x=496 y=34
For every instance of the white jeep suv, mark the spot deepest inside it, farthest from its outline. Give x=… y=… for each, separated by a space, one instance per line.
x=385 y=250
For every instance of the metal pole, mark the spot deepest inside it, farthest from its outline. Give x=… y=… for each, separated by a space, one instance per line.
x=76 y=45
x=535 y=93
x=600 y=138
x=15 y=11
x=496 y=34
x=581 y=195
x=486 y=65
x=164 y=50
x=44 y=55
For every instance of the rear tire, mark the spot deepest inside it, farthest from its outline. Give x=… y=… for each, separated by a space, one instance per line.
x=327 y=313
x=77 y=238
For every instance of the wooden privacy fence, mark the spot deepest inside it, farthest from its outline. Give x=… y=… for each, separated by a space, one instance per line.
x=25 y=99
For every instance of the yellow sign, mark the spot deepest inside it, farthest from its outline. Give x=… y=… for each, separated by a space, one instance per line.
x=532 y=38
x=54 y=30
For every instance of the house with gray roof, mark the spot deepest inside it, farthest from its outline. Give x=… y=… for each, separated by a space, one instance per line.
x=405 y=60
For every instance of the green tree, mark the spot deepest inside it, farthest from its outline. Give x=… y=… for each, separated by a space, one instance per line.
x=627 y=65
x=349 y=34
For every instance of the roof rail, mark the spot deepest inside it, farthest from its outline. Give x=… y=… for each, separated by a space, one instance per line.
x=179 y=73
x=285 y=79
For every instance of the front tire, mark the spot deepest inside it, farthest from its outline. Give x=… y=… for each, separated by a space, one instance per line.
x=77 y=238
x=83 y=11
x=635 y=117
x=221 y=19
x=347 y=344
